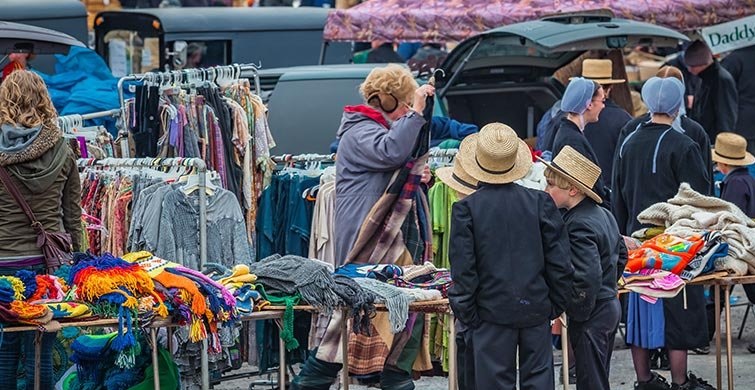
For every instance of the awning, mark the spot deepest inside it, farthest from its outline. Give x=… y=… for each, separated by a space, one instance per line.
x=456 y=20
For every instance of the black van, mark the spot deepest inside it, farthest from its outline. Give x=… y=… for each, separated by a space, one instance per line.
x=66 y=16
x=142 y=40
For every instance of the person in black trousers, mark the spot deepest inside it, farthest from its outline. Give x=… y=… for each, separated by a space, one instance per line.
x=509 y=256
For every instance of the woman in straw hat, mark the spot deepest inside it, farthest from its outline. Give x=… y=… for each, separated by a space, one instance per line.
x=510 y=264
x=583 y=101
x=650 y=165
x=598 y=255
x=464 y=184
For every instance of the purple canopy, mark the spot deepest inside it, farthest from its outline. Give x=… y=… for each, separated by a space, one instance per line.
x=455 y=20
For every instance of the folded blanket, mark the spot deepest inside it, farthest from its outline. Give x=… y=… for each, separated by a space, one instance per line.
x=396 y=301
x=290 y=275
x=689 y=213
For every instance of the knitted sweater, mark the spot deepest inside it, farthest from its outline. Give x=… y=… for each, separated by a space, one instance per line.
x=690 y=213
x=226 y=232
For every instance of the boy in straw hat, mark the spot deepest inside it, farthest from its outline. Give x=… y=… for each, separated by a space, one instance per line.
x=738 y=187
x=464 y=184
x=510 y=264
x=598 y=255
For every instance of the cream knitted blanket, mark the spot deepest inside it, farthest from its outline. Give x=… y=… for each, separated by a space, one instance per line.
x=690 y=213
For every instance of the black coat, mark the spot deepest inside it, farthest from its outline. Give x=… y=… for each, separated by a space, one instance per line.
x=691 y=129
x=509 y=257
x=384 y=54
x=741 y=65
x=603 y=135
x=569 y=134
x=716 y=102
x=649 y=167
x=597 y=254
x=738 y=187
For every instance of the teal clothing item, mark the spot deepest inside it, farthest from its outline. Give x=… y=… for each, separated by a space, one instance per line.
x=449 y=144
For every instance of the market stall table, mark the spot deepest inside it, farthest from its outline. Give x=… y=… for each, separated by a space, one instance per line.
x=437 y=306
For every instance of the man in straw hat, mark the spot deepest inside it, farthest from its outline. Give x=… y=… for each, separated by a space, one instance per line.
x=603 y=135
x=464 y=184
x=598 y=255
x=510 y=264
x=650 y=165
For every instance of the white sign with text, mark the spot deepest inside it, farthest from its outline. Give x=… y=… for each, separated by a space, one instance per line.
x=730 y=35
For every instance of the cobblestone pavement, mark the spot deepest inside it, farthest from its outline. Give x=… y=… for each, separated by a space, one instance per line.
x=622 y=371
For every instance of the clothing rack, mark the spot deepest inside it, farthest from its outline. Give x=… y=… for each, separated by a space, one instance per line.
x=214 y=74
x=290 y=158
x=201 y=168
x=443 y=152
x=66 y=122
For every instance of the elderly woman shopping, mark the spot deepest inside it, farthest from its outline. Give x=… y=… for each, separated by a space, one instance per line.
x=376 y=140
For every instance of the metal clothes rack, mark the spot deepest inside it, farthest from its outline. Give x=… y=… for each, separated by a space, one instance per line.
x=290 y=158
x=67 y=122
x=215 y=74
x=201 y=168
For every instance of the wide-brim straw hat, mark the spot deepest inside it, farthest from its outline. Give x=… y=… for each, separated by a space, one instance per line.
x=600 y=71
x=731 y=149
x=499 y=156
x=577 y=170
x=456 y=177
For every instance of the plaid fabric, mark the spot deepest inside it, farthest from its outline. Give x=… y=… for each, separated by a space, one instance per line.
x=380 y=240
x=441 y=281
x=367 y=354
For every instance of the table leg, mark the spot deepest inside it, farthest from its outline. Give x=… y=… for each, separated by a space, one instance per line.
x=564 y=352
x=717 y=303
x=729 y=358
x=37 y=360
x=155 y=359
x=205 y=362
x=345 y=349
x=281 y=364
x=453 y=375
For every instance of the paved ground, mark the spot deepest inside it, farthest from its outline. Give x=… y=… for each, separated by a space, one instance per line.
x=622 y=371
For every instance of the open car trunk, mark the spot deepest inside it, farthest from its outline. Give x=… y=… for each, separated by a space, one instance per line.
x=518 y=105
x=505 y=74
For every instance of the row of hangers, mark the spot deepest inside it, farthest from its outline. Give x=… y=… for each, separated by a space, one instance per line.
x=221 y=76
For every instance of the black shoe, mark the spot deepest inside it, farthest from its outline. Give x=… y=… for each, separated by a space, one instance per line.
x=693 y=383
x=664 y=364
x=655 y=360
x=702 y=350
x=657 y=382
x=751 y=348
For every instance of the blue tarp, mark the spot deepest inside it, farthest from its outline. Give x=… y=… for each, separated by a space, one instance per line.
x=83 y=84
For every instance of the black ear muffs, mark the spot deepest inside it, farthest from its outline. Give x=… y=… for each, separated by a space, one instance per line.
x=386 y=109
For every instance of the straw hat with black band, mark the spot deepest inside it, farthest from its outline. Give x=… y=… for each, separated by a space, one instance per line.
x=600 y=71
x=499 y=156
x=731 y=149
x=577 y=170
x=456 y=177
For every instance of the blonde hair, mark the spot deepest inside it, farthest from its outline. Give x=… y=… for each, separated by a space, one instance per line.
x=389 y=81
x=25 y=102
x=670 y=71
x=558 y=180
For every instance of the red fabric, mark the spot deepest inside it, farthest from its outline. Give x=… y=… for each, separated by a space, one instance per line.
x=10 y=68
x=369 y=112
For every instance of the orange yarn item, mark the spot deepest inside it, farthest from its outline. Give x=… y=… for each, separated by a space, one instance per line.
x=27 y=311
x=169 y=280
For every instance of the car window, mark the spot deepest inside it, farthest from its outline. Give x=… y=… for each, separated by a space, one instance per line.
x=304 y=115
x=127 y=52
x=204 y=54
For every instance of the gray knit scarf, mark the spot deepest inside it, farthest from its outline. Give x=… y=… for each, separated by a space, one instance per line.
x=360 y=301
x=288 y=275
x=395 y=301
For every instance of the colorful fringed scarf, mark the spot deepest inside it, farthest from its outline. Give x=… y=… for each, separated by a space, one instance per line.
x=112 y=282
